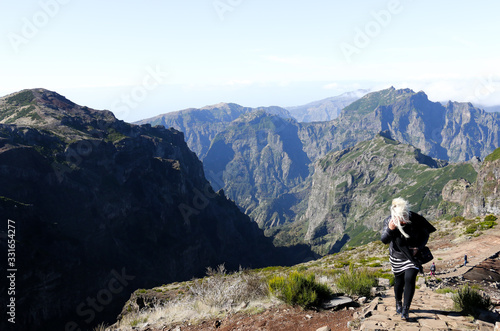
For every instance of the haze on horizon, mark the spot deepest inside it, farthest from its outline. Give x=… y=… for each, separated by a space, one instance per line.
x=144 y=59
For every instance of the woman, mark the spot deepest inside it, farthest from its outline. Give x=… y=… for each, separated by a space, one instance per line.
x=433 y=270
x=406 y=232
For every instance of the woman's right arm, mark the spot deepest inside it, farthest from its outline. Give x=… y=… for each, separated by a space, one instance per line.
x=387 y=233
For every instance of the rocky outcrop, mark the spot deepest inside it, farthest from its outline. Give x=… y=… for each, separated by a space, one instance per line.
x=456 y=190
x=487 y=270
x=102 y=207
x=482 y=197
x=257 y=158
x=201 y=125
x=455 y=132
x=352 y=189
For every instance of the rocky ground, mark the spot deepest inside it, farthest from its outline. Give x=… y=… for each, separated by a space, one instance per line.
x=430 y=310
x=433 y=311
x=278 y=319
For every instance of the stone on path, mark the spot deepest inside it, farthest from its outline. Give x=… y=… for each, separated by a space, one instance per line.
x=337 y=301
x=429 y=311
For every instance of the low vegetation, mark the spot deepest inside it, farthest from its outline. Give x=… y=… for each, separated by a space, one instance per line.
x=445 y=290
x=475 y=226
x=21 y=99
x=357 y=281
x=493 y=156
x=299 y=289
x=353 y=271
x=253 y=291
x=470 y=301
x=219 y=290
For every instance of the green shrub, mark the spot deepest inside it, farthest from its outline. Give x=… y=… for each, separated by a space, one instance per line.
x=490 y=218
x=299 y=289
x=468 y=300
x=302 y=268
x=21 y=99
x=473 y=226
x=457 y=219
x=487 y=225
x=470 y=229
x=357 y=282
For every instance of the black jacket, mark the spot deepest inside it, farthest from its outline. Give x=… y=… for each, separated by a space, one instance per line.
x=399 y=246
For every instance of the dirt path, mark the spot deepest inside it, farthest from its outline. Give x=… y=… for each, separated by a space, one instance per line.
x=449 y=255
x=430 y=310
x=279 y=319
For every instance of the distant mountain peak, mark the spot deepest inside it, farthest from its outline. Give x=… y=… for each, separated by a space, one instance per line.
x=222 y=105
x=44 y=109
x=39 y=96
x=326 y=109
x=51 y=98
x=371 y=101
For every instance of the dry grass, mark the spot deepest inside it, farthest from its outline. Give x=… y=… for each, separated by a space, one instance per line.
x=223 y=291
x=216 y=295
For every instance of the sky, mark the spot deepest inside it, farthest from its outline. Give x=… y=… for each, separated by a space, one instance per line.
x=141 y=59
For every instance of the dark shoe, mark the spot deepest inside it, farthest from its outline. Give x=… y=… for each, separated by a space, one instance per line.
x=405 y=313
x=399 y=307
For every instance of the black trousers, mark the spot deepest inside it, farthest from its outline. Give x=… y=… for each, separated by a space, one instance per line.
x=404 y=282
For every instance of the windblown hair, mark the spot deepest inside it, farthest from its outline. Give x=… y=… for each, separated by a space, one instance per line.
x=400 y=211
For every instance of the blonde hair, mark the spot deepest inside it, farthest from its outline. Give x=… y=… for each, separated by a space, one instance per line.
x=400 y=211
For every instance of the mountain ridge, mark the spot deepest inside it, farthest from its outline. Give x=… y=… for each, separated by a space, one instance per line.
x=453 y=132
x=93 y=196
x=326 y=109
x=201 y=125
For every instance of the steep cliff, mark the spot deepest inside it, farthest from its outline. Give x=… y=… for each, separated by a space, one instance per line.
x=237 y=162
x=102 y=207
x=256 y=159
x=481 y=197
x=455 y=132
